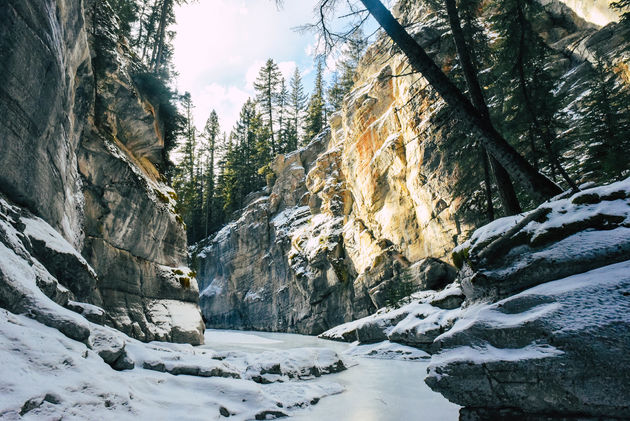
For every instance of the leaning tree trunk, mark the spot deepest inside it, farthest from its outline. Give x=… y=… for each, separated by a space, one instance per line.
x=536 y=184
x=504 y=184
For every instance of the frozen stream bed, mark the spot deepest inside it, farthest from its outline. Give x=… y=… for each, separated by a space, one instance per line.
x=241 y=376
x=376 y=389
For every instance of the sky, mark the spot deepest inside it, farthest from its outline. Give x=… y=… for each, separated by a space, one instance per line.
x=221 y=44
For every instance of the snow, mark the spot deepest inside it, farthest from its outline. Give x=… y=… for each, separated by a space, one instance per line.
x=562 y=212
x=416 y=316
x=214 y=288
x=589 y=300
x=487 y=353
x=40 y=230
x=86 y=309
x=386 y=350
x=253 y=296
x=381 y=387
x=63 y=378
x=165 y=314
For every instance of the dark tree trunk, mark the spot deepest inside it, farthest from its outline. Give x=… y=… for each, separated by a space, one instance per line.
x=487 y=184
x=536 y=184
x=504 y=184
x=159 y=47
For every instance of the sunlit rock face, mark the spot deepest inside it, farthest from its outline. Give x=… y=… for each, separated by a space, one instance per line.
x=80 y=144
x=594 y=11
x=351 y=218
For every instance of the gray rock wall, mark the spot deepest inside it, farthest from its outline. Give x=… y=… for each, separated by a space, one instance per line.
x=46 y=91
x=80 y=144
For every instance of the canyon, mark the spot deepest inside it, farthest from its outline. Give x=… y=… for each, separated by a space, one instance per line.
x=359 y=237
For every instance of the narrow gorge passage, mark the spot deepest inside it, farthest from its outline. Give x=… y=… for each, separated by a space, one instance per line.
x=383 y=386
x=206 y=214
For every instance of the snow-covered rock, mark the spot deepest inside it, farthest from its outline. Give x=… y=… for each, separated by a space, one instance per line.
x=46 y=375
x=584 y=231
x=416 y=323
x=560 y=347
x=544 y=326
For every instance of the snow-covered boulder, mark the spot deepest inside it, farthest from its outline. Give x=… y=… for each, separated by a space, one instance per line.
x=560 y=347
x=584 y=231
x=546 y=324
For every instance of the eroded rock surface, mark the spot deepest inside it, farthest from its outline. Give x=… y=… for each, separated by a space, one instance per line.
x=536 y=324
x=81 y=144
x=353 y=216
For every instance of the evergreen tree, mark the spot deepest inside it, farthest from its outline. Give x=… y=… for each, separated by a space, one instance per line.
x=187 y=182
x=127 y=12
x=465 y=40
x=533 y=182
x=211 y=136
x=623 y=7
x=530 y=108
x=297 y=104
x=315 y=118
x=603 y=132
x=282 y=101
x=267 y=87
x=248 y=155
x=344 y=79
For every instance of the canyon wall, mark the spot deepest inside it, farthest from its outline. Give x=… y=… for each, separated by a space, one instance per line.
x=368 y=211
x=81 y=146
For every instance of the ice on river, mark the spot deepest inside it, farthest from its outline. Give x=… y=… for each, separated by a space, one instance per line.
x=46 y=375
x=385 y=381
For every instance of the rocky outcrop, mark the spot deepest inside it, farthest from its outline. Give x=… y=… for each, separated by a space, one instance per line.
x=81 y=145
x=296 y=260
x=536 y=323
x=555 y=346
x=347 y=222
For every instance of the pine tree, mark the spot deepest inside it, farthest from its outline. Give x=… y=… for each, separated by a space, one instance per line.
x=604 y=126
x=282 y=101
x=315 y=118
x=246 y=159
x=127 y=12
x=188 y=183
x=533 y=182
x=211 y=135
x=464 y=40
x=530 y=107
x=343 y=81
x=297 y=104
x=267 y=87
x=623 y=6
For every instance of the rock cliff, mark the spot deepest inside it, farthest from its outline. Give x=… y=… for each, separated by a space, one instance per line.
x=367 y=211
x=536 y=323
x=81 y=144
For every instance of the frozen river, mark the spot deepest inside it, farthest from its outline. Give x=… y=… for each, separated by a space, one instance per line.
x=375 y=389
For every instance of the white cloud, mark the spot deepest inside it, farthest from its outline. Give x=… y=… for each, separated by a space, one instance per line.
x=252 y=73
x=226 y=100
x=221 y=44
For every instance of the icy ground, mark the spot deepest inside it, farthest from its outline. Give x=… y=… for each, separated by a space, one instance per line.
x=383 y=383
x=45 y=375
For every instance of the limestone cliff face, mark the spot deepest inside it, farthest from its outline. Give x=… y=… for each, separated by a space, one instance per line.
x=80 y=144
x=368 y=206
x=595 y=11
